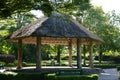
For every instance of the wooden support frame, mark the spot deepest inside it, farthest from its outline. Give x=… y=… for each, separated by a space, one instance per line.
x=79 y=58
x=38 y=53
x=19 y=65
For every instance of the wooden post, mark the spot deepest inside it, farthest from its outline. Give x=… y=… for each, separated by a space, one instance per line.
x=100 y=54
x=84 y=54
x=19 y=65
x=70 y=53
x=79 y=58
x=91 y=55
x=58 y=53
x=38 y=53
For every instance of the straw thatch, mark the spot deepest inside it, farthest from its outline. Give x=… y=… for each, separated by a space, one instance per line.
x=57 y=29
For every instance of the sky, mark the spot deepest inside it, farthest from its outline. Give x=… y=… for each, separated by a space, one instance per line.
x=108 y=5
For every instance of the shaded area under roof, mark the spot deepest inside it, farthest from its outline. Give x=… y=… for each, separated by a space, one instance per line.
x=56 y=29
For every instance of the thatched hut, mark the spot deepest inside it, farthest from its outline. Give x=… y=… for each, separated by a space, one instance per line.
x=56 y=29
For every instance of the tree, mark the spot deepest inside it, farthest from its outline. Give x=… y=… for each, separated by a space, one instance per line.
x=114 y=19
x=8 y=26
x=99 y=23
x=9 y=7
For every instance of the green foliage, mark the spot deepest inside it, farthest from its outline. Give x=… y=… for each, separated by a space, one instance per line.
x=8 y=7
x=2 y=63
x=114 y=18
x=64 y=72
x=24 y=64
x=106 y=65
x=74 y=77
x=5 y=47
x=99 y=23
x=10 y=65
x=3 y=33
x=21 y=76
x=34 y=75
x=118 y=68
x=7 y=58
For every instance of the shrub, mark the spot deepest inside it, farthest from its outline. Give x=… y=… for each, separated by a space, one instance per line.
x=118 y=68
x=41 y=76
x=70 y=72
x=105 y=66
x=7 y=75
x=74 y=77
x=109 y=58
x=2 y=63
x=24 y=64
x=116 y=59
x=10 y=65
x=7 y=58
x=21 y=76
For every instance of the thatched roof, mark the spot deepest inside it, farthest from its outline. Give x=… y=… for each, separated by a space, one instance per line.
x=56 y=29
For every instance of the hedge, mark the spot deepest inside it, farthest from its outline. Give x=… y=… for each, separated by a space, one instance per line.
x=118 y=68
x=74 y=77
x=43 y=76
x=21 y=76
x=106 y=65
x=7 y=58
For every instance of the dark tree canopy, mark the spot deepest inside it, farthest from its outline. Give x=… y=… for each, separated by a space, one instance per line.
x=8 y=7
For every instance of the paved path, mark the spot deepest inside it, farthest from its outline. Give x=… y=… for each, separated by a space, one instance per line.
x=110 y=74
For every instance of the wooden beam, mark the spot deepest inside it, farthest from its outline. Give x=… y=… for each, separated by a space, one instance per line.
x=91 y=55
x=19 y=65
x=79 y=58
x=70 y=52
x=38 y=53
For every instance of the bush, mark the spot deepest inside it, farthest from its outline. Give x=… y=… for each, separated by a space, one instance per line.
x=24 y=64
x=74 y=77
x=118 y=68
x=7 y=75
x=21 y=76
x=106 y=65
x=7 y=58
x=41 y=76
x=116 y=59
x=10 y=65
x=70 y=72
x=2 y=63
